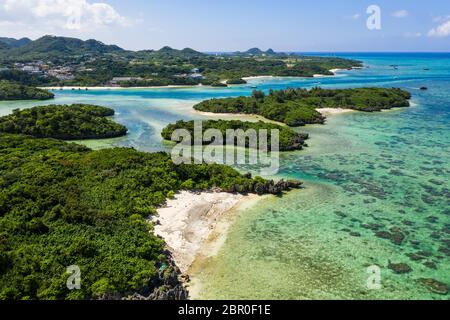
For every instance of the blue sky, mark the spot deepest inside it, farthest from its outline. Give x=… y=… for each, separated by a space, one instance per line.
x=228 y=25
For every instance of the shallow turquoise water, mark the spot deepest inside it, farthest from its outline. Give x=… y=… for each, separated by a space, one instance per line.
x=364 y=174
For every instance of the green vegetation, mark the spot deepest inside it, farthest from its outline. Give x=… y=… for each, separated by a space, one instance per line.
x=62 y=204
x=24 y=78
x=297 y=107
x=232 y=67
x=289 y=139
x=51 y=47
x=93 y=63
x=236 y=81
x=66 y=122
x=219 y=84
x=14 y=43
x=159 y=82
x=14 y=91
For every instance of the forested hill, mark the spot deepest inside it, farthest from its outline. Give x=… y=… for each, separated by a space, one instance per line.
x=297 y=107
x=14 y=91
x=67 y=122
x=14 y=43
x=63 y=61
x=62 y=204
x=61 y=47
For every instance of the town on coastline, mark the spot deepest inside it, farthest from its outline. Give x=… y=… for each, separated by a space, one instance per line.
x=68 y=62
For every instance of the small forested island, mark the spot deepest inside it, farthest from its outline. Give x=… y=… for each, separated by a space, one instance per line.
x=297 y=107
x=62 y=203
x=65 y=122
x=13 y=91
x=236 y=81
x=288 y=138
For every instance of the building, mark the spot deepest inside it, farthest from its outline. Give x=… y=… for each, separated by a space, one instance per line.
x=197 y=76
x=31 y=69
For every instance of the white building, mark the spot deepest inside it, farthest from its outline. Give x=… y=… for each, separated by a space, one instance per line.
x=31 y=69
x=197 y=76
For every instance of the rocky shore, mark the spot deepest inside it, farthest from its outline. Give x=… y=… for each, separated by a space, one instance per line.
x=195 y=224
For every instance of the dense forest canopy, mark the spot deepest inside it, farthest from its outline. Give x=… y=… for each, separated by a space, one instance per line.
x=289 y=139
x=27 y=79
x=14 y=91
x=62 y=204
x=66 y=122
x=297 y=107
x=50 y=47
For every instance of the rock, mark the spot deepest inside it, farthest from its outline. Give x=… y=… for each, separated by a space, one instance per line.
x=430 y=264
x=395 y=235
x=185 y=278
x=355 y=234
x=445 y=251
x=434 y=285
x=399 y=268
x=165 y=286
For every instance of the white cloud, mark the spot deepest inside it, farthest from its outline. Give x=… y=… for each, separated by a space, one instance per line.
x=79 y=15
x=412 y=35
x=440 y=31
x=356 y=16
x=400 y=14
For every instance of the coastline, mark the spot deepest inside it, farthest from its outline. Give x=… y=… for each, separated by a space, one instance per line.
x=195 y=225
x=327 y=112
x=236 y=116
x=333 y=111
x=81 y=88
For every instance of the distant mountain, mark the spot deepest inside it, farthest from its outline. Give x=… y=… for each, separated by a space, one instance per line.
x=54 y=47
x=257 y=52
x=170 y=52
x=4 y=46
x=254 y=51
x=13 y=43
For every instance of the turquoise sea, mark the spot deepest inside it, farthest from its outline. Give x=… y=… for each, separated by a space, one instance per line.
x=377 y=187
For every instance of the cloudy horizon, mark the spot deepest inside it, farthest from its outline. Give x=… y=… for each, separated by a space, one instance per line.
x=285 y=25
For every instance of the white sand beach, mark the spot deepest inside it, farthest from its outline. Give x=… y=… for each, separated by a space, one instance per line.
x=258 y=77
x=118 y=88
x=333 y=111
x=236 y=116
x=190 y=222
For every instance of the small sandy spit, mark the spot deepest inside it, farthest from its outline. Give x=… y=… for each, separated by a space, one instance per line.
x=189 y=221
x=333 y=111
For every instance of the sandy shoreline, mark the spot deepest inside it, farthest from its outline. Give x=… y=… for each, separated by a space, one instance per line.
x=258 y=77
x=118 y=88
x=236 y=116
x=80 y=88
x=333 y=111
x=192 y=222
x=327 y=112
